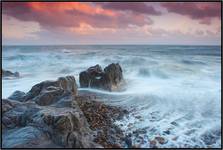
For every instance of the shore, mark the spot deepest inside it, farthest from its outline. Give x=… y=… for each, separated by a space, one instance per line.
x=54 y=114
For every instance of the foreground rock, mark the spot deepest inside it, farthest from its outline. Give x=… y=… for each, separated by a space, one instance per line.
x=109 y=79
x=101 y=119
x=6 y=73
x=48 y=92
x=52 y=115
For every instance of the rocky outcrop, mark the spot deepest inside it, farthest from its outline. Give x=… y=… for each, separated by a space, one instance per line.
x=110 y=78
x=101 y=118
x=6 y=73
x=17 y=95
x=49 y=92
x=52 y=115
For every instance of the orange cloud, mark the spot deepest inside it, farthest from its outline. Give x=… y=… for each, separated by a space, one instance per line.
x=86 y=8
x=72 y=14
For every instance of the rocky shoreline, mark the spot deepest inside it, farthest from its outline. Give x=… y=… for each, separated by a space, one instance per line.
x=52 y=114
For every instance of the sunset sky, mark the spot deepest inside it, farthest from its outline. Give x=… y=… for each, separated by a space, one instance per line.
x=194 y=23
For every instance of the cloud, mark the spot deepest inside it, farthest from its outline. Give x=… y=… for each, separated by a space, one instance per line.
x=72 y=14
x=135 y=7
x=202 y=11
x=16 y=29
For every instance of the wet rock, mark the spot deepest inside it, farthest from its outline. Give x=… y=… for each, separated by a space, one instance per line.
x=110 y=79
x=138 y=117
x=48 y=92
x=175 y=138
x=8 y=105
x=153 y=144
x=128 y=142
x=160 y=139
x=19 y=115
x=17 y=95
x=140 y=131
x=209 y=137
x=6 y=73
x=23 y=138
x=100 y=118
x=52 y=115
x=166 y=132
x=174 y=123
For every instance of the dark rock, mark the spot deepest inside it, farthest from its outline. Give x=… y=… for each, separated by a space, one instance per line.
x=109 y=79
x=19 y=115
x=128 y=141
x=166 y=132
x=69 y=121
x=48 y=92
x=8 y=105
x=6 y=73
x=174 y=123
x=100 y=118
x=160 y=139
x=17 y=95
x=153 y=144
x=23 y=138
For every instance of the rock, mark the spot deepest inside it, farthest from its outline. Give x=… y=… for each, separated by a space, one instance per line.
x=66 y=124
x=128 y=142
x=17 y=95
x=175 y=138
x=8 y=105
x=23 y=138
x=110 y=79
x=52 y=115
x=174 y=123
x=160 y=139
x=166 y=132
x=136 y=146
x=19 y=115
x=153 y=144
x=6 y=73
x=100 y=118
x=48 y=92
x=140 y=131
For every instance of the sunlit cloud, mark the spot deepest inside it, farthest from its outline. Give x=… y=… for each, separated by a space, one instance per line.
x=109 y=22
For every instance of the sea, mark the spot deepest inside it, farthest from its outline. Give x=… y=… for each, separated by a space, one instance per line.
x=171 y=91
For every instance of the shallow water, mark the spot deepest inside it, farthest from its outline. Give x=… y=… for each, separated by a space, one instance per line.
x=175 y=89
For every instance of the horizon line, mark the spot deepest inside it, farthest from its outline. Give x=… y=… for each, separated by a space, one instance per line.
x=109 y=44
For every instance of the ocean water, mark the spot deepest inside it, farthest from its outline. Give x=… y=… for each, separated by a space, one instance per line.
x=176 y=90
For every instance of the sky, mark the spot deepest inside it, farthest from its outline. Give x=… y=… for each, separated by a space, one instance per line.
x=53 y=23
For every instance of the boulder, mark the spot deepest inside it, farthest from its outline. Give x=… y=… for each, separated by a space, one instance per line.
x=52 y=115
x=6 y=73
x=8 y=105
x=49 y=92
x=101 y=119
x=110 y=79
x=16 y=114
x=23 y=138
x=17 y=95
x=68 y=127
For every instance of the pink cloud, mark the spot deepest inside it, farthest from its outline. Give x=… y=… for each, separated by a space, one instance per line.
x=71 y=14
x=135 y=7
x=202 y=11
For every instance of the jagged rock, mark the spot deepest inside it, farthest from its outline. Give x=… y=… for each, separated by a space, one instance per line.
x=160 y=139
x=17 y=95
x=23 y=138
x=16 y=114
x=6 y=73
x=8 y=105
x=109 y=79
x=100 y=118
x=68 y=120
x=48 y=92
